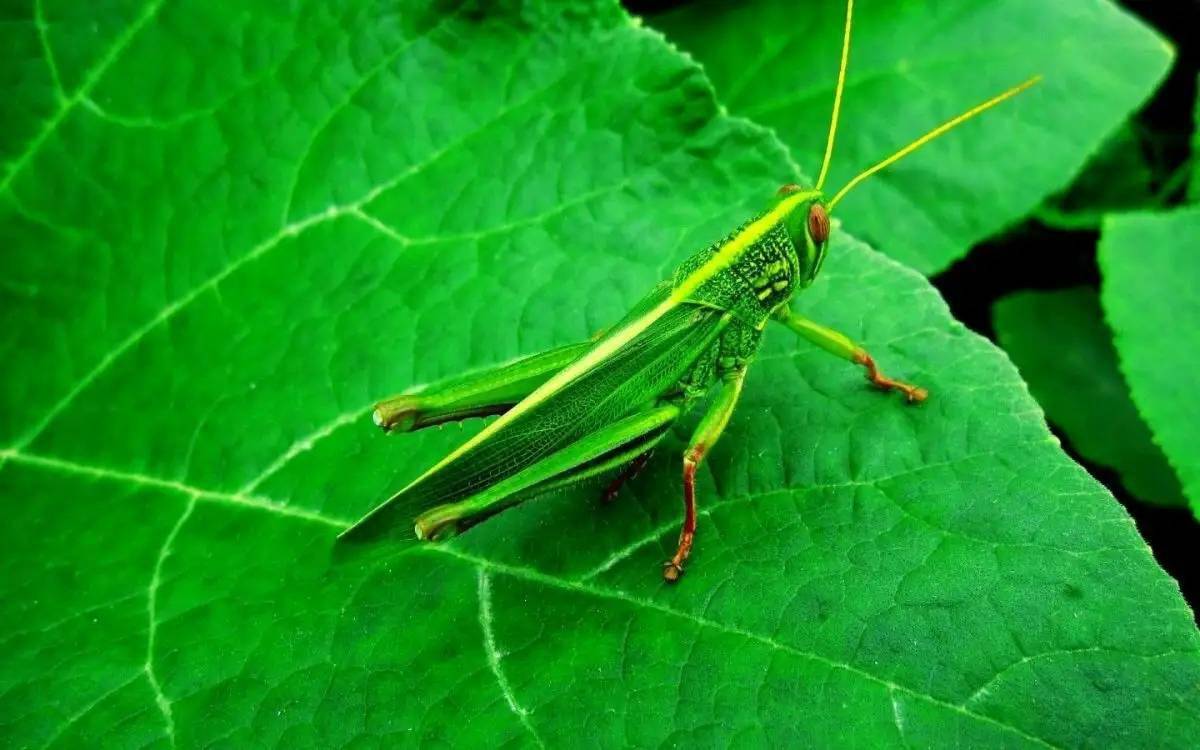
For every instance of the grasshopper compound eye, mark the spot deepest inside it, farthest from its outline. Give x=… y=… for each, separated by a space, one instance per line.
x=818 y=223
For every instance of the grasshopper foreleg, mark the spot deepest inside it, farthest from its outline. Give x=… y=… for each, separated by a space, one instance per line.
x=478 y=394
x=839 y=344
x=707 y=433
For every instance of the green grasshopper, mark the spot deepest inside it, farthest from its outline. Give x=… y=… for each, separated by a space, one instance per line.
x=602 y=405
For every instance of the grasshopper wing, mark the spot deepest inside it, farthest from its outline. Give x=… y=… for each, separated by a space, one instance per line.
x=630 y=369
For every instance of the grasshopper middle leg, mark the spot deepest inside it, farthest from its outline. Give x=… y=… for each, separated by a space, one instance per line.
x=707 y=432
x=629 y=472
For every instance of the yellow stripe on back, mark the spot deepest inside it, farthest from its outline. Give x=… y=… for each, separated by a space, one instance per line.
x=725 y=257
x=732 y=250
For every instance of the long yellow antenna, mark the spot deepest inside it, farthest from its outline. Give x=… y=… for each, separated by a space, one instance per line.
x=939 y=130
x=837 y=95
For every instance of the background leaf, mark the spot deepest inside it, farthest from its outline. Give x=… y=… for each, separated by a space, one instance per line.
x=1194 y=186
x=1150 y=269
x=235 y=230
x=914 y=65
x=1119 y=177
x=1065 y=352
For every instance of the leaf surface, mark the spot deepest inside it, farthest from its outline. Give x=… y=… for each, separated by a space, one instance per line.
x=269 y=219
x=914 y=65
x=1150 y=271
x=1065 y=352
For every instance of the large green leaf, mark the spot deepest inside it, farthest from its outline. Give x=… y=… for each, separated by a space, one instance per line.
x=1065 y=352
x=235 y=230
x=1151 y=270
x=914 y=65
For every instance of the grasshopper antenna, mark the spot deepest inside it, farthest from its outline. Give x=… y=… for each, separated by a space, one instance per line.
x=837 y=95
x=931 y=135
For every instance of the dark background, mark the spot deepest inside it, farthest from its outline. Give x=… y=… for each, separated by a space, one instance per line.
x=1035 y=256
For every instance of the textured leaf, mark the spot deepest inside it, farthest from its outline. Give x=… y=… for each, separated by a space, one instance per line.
x=1150 y=271
x=264 y=220
x=1065 y=352
x=914 y=65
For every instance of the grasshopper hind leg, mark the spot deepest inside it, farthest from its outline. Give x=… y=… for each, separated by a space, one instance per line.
x=593 y=454
x=479 y=394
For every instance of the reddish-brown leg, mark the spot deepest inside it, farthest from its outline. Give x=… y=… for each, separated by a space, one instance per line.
x=674 y=567
x=913 y=393
x=707 y=432
x=840 y=344
x=629 y=472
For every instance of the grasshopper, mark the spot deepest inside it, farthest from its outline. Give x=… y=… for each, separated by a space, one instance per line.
x=601 y=405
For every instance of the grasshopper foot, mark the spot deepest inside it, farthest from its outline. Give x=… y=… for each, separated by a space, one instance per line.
x=396 y=414
x=913 y=394
x=439 y=523
x=673 y=568
x=672 y=571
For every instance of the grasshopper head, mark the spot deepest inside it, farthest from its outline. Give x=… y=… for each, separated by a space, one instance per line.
x=806 y=212
x=808 y=227
x=808 y=220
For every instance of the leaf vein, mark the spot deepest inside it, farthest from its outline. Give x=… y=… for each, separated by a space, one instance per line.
x=494 y=656
x=39 y=18
x=986 y=685
x=168 y=312
x=354 y=90
x=93 y=76
x=290 y=230
x=160 y=698
x=78 y=715
x=256 y=502
x=536 y=576
x=303 y=445
x=627 y=551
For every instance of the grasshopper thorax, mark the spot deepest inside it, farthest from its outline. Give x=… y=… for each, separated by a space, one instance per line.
x=759 y=266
